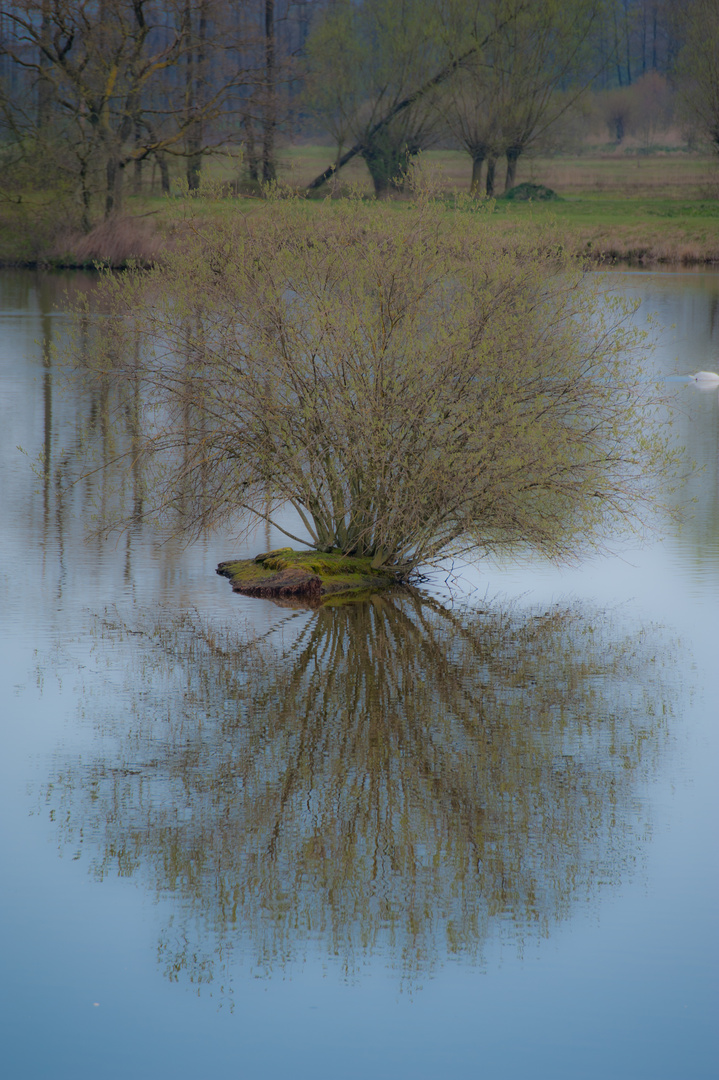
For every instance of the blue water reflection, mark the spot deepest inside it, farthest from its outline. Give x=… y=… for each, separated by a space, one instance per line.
x=619 y=976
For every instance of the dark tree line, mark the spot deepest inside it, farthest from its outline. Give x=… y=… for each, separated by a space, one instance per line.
x=95 y=92
x=103 y=88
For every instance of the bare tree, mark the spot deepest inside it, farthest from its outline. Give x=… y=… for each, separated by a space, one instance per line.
x=531 y=67
x=109 y=74
x=195 y=30
x=697 y=69
x=366 y=63
x=270 y=117
x=411 y=385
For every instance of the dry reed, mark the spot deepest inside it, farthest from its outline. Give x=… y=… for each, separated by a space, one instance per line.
x=115 y=242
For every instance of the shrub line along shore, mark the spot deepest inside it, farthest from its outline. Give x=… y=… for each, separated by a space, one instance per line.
x=641 y=241
x=645 y=210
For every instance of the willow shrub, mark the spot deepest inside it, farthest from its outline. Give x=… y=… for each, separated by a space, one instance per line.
x=413 y=383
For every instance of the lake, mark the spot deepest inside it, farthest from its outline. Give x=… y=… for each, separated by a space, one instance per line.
x=467 y=832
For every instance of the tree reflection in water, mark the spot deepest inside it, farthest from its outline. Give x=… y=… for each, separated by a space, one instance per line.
x=397 y=779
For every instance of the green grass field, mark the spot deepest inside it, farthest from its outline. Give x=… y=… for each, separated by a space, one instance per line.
x=666 y=174
x=639 y=206
x=660 y=206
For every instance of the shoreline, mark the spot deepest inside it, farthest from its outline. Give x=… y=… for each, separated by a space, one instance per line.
x=640 y=232
x=637 y=256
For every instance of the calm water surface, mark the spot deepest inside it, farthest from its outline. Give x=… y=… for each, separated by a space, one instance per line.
x=468 y=833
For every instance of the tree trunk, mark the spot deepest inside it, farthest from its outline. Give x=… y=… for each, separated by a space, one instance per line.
x=137 y=166
x=114 y=172
x=512 y=155
x=269 y=122
x=44 y=88
x=617 y=59
x=194 y=91
x=491 y=165
x=85 y=197
x=388 y=160
x=253 y=165
x=378 y=172
x=161 y=160
x=654 y=38
x=475 y=187
x=627 y=43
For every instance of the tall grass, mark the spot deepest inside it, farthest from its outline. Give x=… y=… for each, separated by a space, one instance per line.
x=115 y=242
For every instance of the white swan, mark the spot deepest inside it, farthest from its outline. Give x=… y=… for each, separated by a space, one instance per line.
x=704 y=377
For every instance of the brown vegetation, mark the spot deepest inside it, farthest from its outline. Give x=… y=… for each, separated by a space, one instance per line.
x=114 y=242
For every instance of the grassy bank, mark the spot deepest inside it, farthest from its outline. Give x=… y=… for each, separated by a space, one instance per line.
x=640 y=207
x=630 y=229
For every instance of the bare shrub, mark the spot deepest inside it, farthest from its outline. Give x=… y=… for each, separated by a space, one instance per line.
x=411 y=382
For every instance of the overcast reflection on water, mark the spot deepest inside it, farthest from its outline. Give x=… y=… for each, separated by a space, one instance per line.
x=391 y=779
x=422 y=833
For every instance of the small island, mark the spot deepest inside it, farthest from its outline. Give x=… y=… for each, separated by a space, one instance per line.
x=308 y=576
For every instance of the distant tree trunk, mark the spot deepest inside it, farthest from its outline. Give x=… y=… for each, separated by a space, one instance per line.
x=269 y=121
x=491 y=166
x=513 y=153
x=475 y=188
x=194 y=91
x=378 y=170
x=85 y=197
x=114 y=142
x=110 y=185
x=44 y=89
x=388 y=160
x=137 y=167
x=654 y=38
x=616 y=49
x=627 y=43
x=161 y=160
x=115 y=175
x=253 y=165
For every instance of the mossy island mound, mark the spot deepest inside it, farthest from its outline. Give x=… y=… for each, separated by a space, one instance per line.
x=308 y=578
x=527 y=192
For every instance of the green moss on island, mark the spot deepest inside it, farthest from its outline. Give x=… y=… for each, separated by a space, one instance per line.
x=310 y=577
